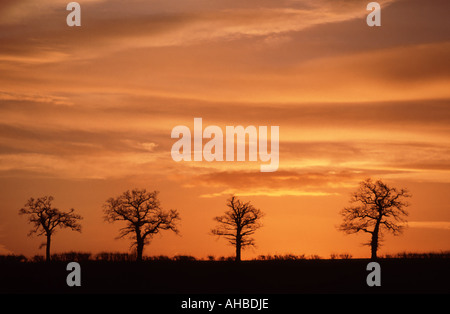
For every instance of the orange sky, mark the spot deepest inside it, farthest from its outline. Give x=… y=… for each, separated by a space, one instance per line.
x=87 y=112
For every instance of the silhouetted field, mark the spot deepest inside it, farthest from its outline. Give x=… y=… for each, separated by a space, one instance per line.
x=189 y=276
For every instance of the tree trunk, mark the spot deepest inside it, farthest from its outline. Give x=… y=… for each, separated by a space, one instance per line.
x=139 y=244
x=374 y=242
x=238 y=252
x=374 y=246
x=47 y=248
x=139 y=250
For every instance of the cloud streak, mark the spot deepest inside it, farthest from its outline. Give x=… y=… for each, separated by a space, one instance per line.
x=111 y=26
x=442 y=225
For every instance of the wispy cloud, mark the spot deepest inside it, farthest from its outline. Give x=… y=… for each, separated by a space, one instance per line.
x=111 y=26
x=281 y=183
x=445 y=225
x=268 y=193
x=37 y=98
x=4 y=250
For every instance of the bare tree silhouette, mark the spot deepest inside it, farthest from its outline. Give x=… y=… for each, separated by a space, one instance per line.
x=379 y=207
x=238 y=223
x=46 y=218
x=143 y=215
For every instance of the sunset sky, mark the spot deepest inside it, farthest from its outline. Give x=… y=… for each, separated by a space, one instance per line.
x=86 y=113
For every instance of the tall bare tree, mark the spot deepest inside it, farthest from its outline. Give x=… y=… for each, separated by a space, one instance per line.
x=239 y=222
x=46 y=218
x=378 y=207
x=143 y=215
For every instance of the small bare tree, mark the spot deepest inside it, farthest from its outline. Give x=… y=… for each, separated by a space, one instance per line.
x=239 y=222
x=378 y=208
x=46 y=218
x=143 y=215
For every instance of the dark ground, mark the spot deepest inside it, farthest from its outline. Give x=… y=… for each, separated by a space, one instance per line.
x=289 y=286
x=398 y=276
